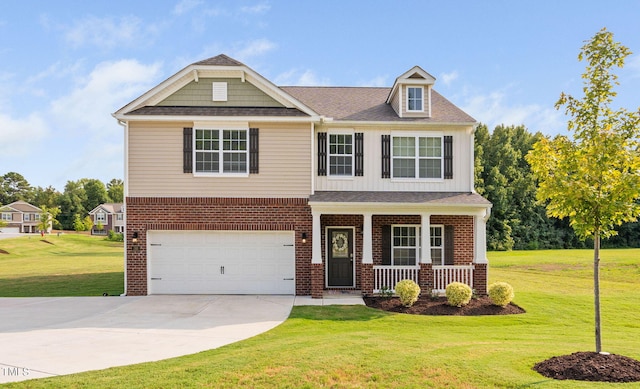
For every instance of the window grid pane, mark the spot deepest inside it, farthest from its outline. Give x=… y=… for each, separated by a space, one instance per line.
x=414 y=99
x=340 y=154
x=235 y=163
x=405 y=246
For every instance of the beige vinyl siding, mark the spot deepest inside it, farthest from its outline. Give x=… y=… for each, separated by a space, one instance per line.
x=156 y=169
x=239 y=94
x=371 y=181
x=395 y=103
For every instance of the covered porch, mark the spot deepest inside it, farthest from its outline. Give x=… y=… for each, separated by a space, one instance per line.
x=369 y=241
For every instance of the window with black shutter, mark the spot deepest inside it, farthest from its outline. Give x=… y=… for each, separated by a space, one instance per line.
x=359 y=154
x=386 y=245
x=448 y=157
x=322 y=154
x=254 y=148
x=449 y=245
x=386 y=156
x=187 y=150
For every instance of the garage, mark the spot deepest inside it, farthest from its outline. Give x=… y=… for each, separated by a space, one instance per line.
x=10 y=230
x=221 y=262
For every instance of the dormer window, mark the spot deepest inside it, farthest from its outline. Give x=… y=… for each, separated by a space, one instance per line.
x=415 y=99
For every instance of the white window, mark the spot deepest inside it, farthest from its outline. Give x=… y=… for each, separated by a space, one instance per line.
x=221 y=151
x=437 y=245
x=415 y=100
x=417 y=157
x=6 y=216
x=341 y=154
x=101 y=217
x=405 y=245
x=36 y=216
x=26 y=217
x=119 y=216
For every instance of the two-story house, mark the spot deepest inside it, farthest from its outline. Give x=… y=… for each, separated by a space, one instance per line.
x=107 y=217
x=21 y=217
x=235 y=185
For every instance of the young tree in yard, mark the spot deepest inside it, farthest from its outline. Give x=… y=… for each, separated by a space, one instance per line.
x=48 y=217
x=594 y=178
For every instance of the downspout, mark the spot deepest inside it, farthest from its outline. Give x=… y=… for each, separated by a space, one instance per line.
x=125 y=126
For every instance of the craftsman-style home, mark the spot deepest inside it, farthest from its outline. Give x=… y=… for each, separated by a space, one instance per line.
x=237 y=186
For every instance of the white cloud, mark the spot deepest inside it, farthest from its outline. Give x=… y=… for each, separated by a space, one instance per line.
x=448 y=78
x=20 y=134
x=494 y=109
x=633 y=64
x=107 y=88
x=379 y=81
x=298 y=77
x=185 y=6
x=108 y=33
x=251 y=49
x=256 y=9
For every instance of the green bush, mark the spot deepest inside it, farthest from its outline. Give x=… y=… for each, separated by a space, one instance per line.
x=115 y=236
x=408 y=291
x=500 y=293
x=458 y=294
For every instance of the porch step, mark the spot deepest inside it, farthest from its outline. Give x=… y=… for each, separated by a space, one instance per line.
x=340 y=294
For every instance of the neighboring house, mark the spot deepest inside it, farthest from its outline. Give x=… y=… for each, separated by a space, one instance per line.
x=110 y=216
x=238 y=186
x=21 y=216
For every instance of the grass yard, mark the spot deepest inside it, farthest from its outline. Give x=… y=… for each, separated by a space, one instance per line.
x=69 y=265
x=358 y=347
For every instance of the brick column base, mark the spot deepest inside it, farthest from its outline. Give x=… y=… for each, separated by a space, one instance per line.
x=425 y=278
x=366 y=284
x=317 y=280
x=480 y=278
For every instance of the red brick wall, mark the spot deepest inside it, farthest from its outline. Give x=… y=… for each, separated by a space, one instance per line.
x=252 y=214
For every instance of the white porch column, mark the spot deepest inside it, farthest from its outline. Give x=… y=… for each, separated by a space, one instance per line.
x=480 y=242
x=367 y=239
x=425 y=238
x=316 y=237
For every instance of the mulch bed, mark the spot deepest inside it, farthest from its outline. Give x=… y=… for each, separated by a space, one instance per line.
x=591 y=366
x=438 y=306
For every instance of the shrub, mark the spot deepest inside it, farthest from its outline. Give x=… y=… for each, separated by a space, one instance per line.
x=500 y=293
x=458 y=294
x=408 y=291
x=386 y=292
x=115 y=236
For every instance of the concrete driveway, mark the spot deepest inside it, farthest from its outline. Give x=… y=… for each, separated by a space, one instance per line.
x=44 y=337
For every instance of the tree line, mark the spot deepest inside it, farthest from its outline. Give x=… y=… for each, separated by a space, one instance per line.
x=74 y=203
x=518 y=221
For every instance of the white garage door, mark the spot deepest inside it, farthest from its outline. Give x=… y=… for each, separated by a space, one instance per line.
x=221 y=262
x=10 y=230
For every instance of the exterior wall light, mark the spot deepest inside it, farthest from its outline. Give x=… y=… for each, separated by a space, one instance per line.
x=135 y=237
x=304 y=237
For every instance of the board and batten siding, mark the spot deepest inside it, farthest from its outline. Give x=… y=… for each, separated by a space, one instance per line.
x=239 y=94
x=372 y=179
x=156 y=169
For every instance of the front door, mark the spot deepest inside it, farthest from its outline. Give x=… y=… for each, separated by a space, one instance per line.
x=340 y=257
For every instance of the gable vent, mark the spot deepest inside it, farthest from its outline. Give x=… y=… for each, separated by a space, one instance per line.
x=219 y=91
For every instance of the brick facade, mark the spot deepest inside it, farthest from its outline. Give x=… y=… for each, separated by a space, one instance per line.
x=262 y=214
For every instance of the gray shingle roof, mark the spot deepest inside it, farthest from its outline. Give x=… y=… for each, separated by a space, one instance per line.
x=217 y=111
x=457 y=198
x=220 y=60
x=368 y=104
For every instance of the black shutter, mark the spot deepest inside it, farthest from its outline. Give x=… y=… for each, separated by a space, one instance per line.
x=253 y=151
x=449 y=244
x=322 y=153
x=448 y=157
x=386 y=245
x=386 y=156
x=187 y=150
x=359 y=155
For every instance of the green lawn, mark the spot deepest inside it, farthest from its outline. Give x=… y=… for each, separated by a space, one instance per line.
x=358 y=347
x=65 y=265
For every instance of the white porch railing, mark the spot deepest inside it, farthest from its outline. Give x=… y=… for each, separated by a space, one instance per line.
x=444 y=275
x=389 y=276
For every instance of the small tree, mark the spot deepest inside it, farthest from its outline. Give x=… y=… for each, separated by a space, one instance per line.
x=48 y=217
x=594 y=178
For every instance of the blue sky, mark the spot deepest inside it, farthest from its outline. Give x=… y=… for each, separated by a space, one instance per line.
x=65 y=66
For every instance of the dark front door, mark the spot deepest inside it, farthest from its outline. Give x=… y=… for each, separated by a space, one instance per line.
x=340 y=257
